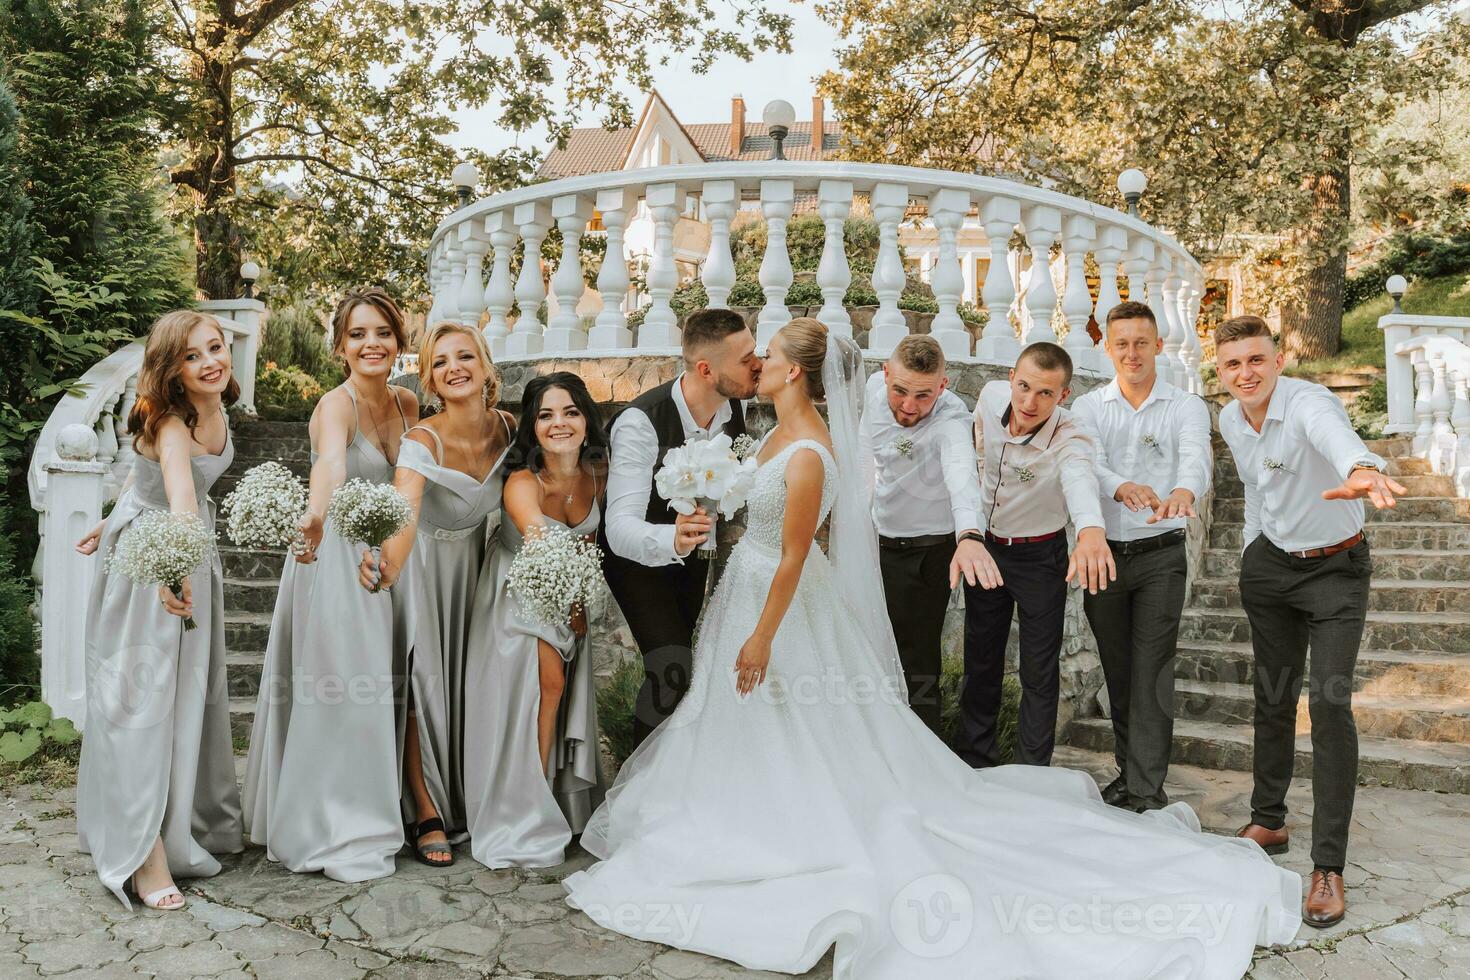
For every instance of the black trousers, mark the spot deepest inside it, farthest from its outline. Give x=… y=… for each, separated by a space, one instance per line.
x=1295 y=604
x=1136 y=623
x=1036 y=586
x=916 y=591
x=661 y=605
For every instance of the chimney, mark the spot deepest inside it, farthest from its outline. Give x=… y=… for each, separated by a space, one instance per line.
x=818 y=124
x=737 y=125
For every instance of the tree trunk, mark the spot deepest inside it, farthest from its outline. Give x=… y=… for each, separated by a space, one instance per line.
x=1311 y=328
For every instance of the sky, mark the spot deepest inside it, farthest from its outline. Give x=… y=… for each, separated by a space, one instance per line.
x=698 y=98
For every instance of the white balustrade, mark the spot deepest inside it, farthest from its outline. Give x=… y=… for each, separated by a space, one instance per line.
x=534 y=220
x=777 y=199
x=611 y=332
x=1155 y=275
x=454 y=280
x=471 y=304
x=1112 y=247
x=947 y=209
x=1043 y=228
x=1079 y=235
x=889 y=202
x=1174 y=343
x=564 y=333
x=999 y=217
x=500 y=293
x=834 y=275
x=720 y=199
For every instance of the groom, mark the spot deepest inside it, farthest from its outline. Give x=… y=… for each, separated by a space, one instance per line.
x=652 y=568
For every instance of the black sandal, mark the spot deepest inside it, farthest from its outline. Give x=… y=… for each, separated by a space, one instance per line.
x=422 y=851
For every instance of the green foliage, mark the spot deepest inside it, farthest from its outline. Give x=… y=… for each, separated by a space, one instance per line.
x=918 y=302
x=804 y=292
x=286 y=393
x=20 y=662
x=15 y=209
x=295 y=336
x=616 y=703
x=950 y=680
x=30 y=729
x=746 y=292
x=1439 y=249
x=689 y=297
x=1369 y=411
x=972 y=315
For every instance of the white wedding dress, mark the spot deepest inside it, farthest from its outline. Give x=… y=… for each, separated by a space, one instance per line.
x=821 y=810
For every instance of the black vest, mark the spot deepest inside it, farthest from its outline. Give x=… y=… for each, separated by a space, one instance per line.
x=658 y=405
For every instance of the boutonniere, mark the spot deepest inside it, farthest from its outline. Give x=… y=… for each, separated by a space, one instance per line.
x=742 y=446
x=1151 y=441
x=904 y=445
x=1023 y=473
x=1274 y=464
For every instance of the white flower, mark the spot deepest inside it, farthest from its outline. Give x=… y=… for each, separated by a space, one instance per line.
x=1024 y=474
x=362 y=510
x=265 y=509
x=1150 y=440
x=163 y=548
x=1274 y=464
x=554 y=570
x=742 y=446
x=705 y=469
x=904 y=445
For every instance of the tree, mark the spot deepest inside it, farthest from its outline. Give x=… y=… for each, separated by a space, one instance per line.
x=1247 y=124
x=15 y=211
x=316 y=130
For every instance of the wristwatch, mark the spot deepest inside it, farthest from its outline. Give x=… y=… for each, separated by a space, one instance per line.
x=973 y=536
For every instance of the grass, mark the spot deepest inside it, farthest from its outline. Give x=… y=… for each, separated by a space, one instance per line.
x=1362 y=342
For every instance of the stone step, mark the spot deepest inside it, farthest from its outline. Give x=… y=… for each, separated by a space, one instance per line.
x=242 y=717
x=1401 y=763
x=1408 y=466
x=1392 y=446
x=243 y=672
x=1400 y=716
x=245 y=630
x=296 y=446
x=1426 y=485
x=1382 y=535
x=1417 y=509
x=250 y=595
x=1445 y=632
x=251 y=564
x=1378 y=671
x=1389 y=564
x=1385 y=595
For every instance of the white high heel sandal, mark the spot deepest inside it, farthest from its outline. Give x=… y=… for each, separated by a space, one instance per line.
x=153 y=899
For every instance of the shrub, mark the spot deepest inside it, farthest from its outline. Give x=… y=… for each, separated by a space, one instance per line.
x=616 y=703
x=949 y=708
x=1369 y=411
x=746 y=292
x=973 y=315
x=294 y=336
x=918 y=302
x=689 y=297
x=804 y=292
x=286 y=393
x=860 y=293
x=20 y=663
x=37 y=747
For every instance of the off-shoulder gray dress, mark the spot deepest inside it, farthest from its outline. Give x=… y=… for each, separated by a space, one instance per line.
x=156 y=756
x=519 y=816
x=321 y=782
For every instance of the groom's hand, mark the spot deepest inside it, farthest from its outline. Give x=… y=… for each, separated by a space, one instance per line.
x=973 y=561
x=691 y=531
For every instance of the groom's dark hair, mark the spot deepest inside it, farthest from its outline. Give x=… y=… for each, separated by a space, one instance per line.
x=705 y=327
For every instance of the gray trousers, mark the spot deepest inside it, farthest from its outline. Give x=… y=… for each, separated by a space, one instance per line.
x=1293 y=604
x=1136 y=623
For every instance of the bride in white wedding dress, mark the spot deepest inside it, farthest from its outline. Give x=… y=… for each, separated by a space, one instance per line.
x=817 y=809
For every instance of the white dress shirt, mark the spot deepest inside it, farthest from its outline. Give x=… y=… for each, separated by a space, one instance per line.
x=922 y=477
x=1030 y=484
x=635 y=452
x=1305 y=446
x=1164 y=444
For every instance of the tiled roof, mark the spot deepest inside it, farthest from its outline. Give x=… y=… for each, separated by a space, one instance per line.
x=596 y=150
x=588 y=151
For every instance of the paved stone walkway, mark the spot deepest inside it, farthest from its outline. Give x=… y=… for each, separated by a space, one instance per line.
x=1409 y=915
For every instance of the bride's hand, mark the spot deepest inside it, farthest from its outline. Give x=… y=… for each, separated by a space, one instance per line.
x=750 y=666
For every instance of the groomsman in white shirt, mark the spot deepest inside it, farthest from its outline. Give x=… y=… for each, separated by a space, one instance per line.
x=1304 y=580
x=919 y=459
x=1036 y=473
x=1153 y=465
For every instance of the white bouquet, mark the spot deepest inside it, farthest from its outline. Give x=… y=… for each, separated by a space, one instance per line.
x=553 y=572
x=163 y=548
x=362 y=510
x=709 y=473
x=264 y=510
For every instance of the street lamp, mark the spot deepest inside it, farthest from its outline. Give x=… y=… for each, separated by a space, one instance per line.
x=465 y=178
x=779 y=116
x=249 y=273
x=1131 y=184
x=1397 y=286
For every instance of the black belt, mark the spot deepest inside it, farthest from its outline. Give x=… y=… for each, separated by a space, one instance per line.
x=918 y=541
x=1154 y=543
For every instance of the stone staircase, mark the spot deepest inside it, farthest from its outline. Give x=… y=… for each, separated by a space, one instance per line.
x=1412 y=688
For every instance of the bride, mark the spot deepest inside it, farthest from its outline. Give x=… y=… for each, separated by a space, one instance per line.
x=793 y=801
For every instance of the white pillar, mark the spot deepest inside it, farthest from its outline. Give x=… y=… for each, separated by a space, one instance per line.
x=564 y=332
x=1111 y=248
x=471 y=299
x=1442 y=445
x=660 y=326
x=720 y=199
x=1174 y=345
x=1140 y=257
x=1079 y=234
x=611 y=330
x=947 y=209
x=1400 y=373
x=438 y=273
x=889 y=202
x=534 y=220
x=1157 y=274
x=453 y=279
x=1043 y=226
x=834 y=275
x=499 y=290
x=73 y=507
x=777 y=198
x=999 y=216
x=1423 y=400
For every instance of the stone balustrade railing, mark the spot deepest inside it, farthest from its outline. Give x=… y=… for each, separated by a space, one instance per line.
x=81 y=459
x=1440 y=403
x=471 y=254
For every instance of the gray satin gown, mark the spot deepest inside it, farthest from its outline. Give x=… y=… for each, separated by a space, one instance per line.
x=520 y=817
x=446 y=561
x=321 y=782
x=156 y=757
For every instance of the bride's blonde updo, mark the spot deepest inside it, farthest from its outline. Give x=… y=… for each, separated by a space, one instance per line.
x=804 y=341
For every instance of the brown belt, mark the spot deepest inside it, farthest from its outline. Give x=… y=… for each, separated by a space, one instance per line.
x=1330 y=550
x=997 y=539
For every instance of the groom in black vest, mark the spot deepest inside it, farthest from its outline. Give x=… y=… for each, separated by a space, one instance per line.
x=651 y=564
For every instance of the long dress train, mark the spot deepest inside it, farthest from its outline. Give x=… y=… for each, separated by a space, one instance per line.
x=156 y=757
x=820 y=810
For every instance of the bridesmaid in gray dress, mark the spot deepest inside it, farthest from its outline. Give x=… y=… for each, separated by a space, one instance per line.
x=321 y=781
x=156 y=794
x=449 y=468
x=531 y=751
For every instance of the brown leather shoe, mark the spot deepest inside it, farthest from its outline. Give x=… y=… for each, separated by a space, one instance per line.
x=1271 y=841
x=1326 y=902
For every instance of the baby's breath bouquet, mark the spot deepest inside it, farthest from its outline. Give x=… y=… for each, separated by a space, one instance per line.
x=265 y=510
x=553 y=572
x=163 y=548
x=362 y=510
